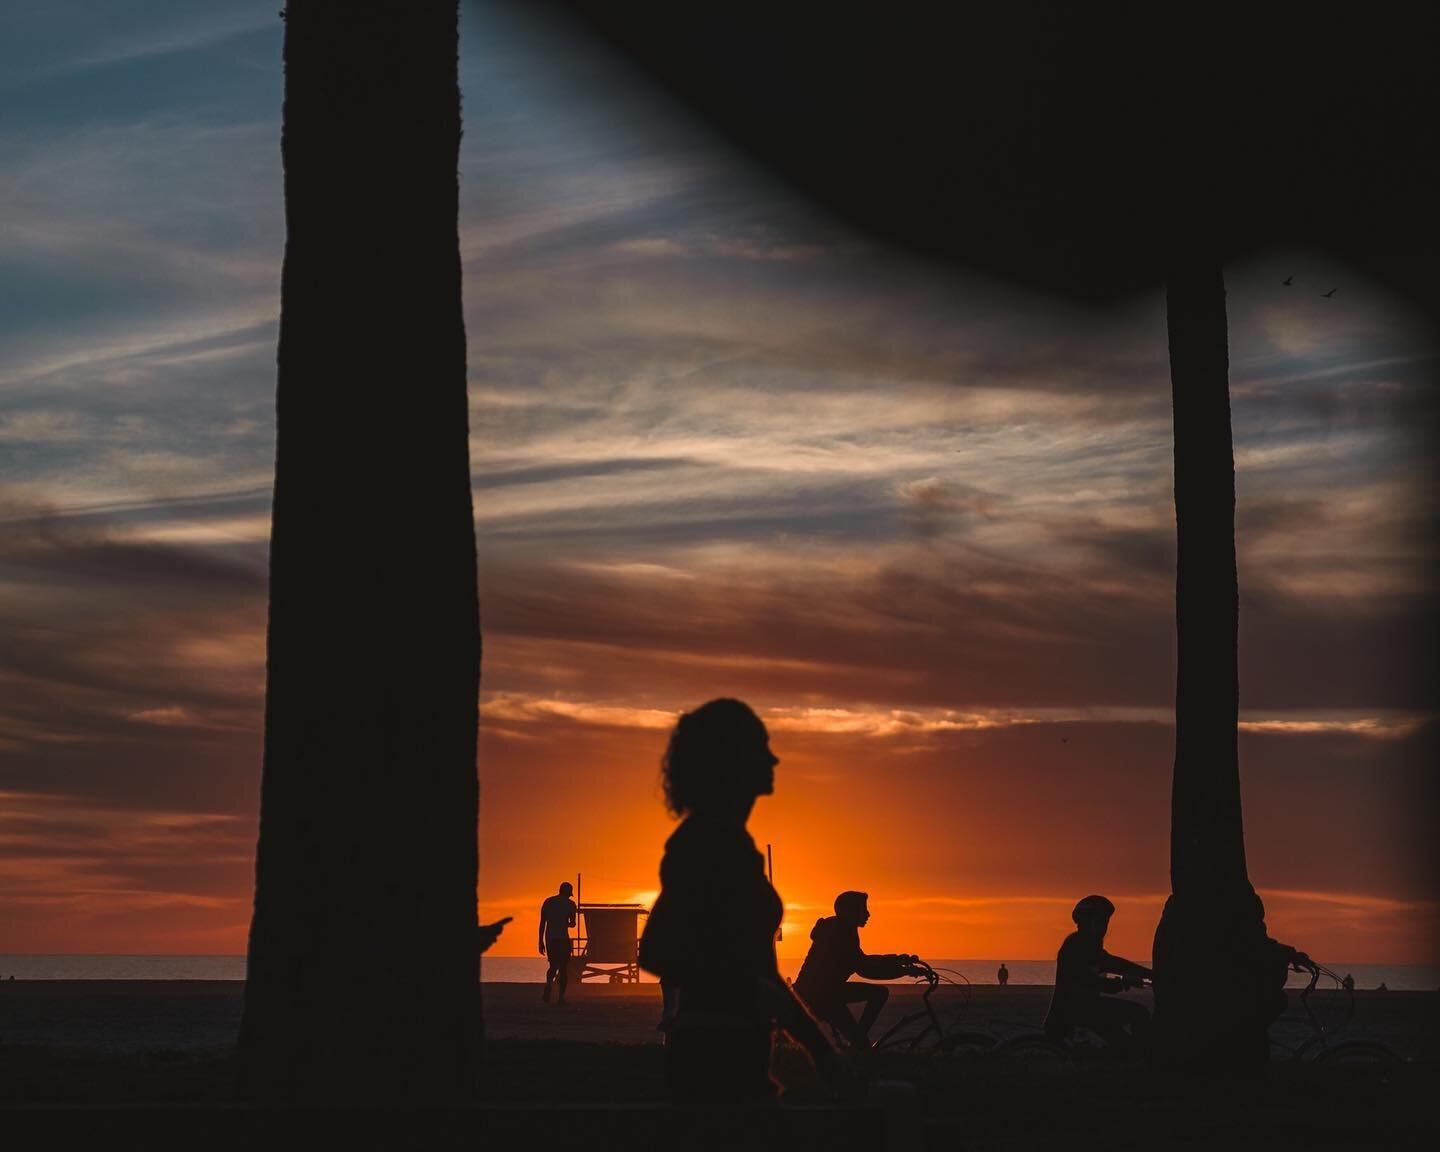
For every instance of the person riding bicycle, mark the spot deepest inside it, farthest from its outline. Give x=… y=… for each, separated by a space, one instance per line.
x=824 y=981
x=1278 y=960
x=1085 y=973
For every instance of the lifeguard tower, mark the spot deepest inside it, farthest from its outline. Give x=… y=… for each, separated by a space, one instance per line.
x=607 y=942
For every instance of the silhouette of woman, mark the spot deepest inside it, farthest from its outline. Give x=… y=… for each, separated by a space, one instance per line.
x=711 y=935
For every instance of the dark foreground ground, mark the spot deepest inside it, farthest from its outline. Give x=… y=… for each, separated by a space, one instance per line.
x=590 y=1075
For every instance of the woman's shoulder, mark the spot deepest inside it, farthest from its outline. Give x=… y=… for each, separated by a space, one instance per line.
x=702 y=842
x=701 y=831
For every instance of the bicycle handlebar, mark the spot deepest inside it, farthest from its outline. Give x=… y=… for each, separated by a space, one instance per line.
x=920 y=970
x=1316 y=971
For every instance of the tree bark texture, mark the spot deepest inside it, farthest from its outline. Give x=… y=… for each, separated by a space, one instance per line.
x=1205 y=799
x=1209 y=946
x=362 y=983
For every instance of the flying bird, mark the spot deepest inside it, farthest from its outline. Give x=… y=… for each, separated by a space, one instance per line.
x=1288 y=281
x=1327 y=295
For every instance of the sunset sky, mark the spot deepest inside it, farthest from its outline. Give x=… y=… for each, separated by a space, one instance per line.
x=923 y=523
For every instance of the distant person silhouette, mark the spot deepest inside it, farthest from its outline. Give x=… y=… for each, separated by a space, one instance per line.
x=711 y=935
x=1348 y=983
x=1085 y=973
x=557 y=917
x=824 y=981
x=1003 y=975
x=1383 y=987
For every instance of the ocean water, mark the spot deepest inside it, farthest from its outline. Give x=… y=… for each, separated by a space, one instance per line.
x=531 y=969
x=122 y=967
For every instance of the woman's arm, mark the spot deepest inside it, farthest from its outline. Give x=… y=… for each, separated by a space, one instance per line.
x=791 y=1014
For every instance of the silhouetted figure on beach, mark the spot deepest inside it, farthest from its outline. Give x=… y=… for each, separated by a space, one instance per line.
x=557 y=917
x=1348 y=983
x=1003 y=975
x=1085 y=973
x=711 y=934
x=835 y=955
x=1277 y=960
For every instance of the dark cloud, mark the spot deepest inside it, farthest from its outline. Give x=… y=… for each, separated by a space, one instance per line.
x=60 y=555
x=545 y=474
x=1143 y=556
x=1375 y=654
x=959 y=631
x=720 y=446
x=932 y=507
x=929 y=632
x=132 y=669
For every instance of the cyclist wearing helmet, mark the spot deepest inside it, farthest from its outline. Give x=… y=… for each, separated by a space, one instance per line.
x=824 y=982
x=1085 y=972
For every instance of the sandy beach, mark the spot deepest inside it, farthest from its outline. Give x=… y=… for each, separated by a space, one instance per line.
x=596 y=1066
x=120 y=1017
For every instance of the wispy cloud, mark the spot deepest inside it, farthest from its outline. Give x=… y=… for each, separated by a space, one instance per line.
x=903 y=723
x=62 y=44
x=720 y=445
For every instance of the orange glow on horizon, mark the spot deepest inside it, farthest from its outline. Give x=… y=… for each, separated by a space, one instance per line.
x=959 y=862
x=956 y=864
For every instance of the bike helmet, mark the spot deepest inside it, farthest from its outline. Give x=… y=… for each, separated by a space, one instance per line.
x=1090 y=906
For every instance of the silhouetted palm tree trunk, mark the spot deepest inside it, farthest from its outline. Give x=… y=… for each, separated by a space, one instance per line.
x=1206 y=948
x=362 y=982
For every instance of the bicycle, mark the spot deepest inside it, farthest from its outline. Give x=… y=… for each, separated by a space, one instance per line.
x=1321 y=1047
x=932 y=1035
x=1082 y=1043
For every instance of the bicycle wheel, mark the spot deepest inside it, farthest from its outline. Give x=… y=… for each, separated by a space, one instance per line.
x=1037 y=1047
x=960 y=1043
x=906 y=1036
x=1359 y=1054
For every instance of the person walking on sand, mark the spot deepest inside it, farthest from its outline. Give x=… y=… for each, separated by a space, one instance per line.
x=1003 y=976
x=711 y=935
x=557 y=917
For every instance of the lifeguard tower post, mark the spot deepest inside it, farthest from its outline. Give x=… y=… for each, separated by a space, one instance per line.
x=607 y=944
